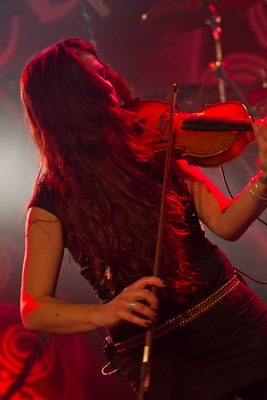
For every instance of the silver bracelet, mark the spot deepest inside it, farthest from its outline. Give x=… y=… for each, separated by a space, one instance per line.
x=257 y=187
x=258 y=199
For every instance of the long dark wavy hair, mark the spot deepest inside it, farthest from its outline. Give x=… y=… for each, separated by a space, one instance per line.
x=102 y=190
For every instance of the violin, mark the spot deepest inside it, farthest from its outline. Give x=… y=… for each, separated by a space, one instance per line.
x=211 y=137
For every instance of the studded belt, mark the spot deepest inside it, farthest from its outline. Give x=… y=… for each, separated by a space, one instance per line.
x=183 y=318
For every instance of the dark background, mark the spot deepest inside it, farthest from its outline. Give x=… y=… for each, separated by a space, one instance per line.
x=46 y=367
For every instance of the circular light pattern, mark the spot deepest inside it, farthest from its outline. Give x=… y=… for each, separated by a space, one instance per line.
x=241 y=69
x=38 y=366
x=249 y=78
x=257 y=17
x=6 y=54
x=25 y=394
x=20 y=348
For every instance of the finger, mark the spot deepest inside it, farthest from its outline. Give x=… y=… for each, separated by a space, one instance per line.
x=258 y=122
x=123 y=313
x=256 y=126
x=144 y=311
x=147 y=281
x=259 y=125
x=143 y=308
x=260 y=130
x=133 y=295
x=140 y=321
x=136 y=319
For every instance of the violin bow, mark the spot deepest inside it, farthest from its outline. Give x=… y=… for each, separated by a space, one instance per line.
x=146 y=361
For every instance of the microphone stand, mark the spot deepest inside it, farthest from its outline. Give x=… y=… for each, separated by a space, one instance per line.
x=221 y=71
x=214 y=22
x=88 y=20
x=146 y=362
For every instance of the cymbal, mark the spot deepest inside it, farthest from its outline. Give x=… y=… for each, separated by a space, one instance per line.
x=179 y=16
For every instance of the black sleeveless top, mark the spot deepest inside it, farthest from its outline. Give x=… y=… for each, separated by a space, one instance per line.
x=212 y=265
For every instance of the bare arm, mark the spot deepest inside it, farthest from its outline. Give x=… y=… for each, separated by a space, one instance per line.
x=228 y=219
x=42 y=311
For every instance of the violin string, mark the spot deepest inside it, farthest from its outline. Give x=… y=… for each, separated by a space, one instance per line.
x=261 y=220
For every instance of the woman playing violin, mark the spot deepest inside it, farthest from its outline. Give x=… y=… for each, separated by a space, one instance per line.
x=98 y=194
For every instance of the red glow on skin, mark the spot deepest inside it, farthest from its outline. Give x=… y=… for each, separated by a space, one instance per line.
x=29 y=304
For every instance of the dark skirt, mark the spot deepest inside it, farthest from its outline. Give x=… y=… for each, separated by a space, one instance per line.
x=219 y=352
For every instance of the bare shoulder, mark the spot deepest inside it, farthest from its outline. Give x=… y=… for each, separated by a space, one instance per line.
x=39 y=214
x=42 y=225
